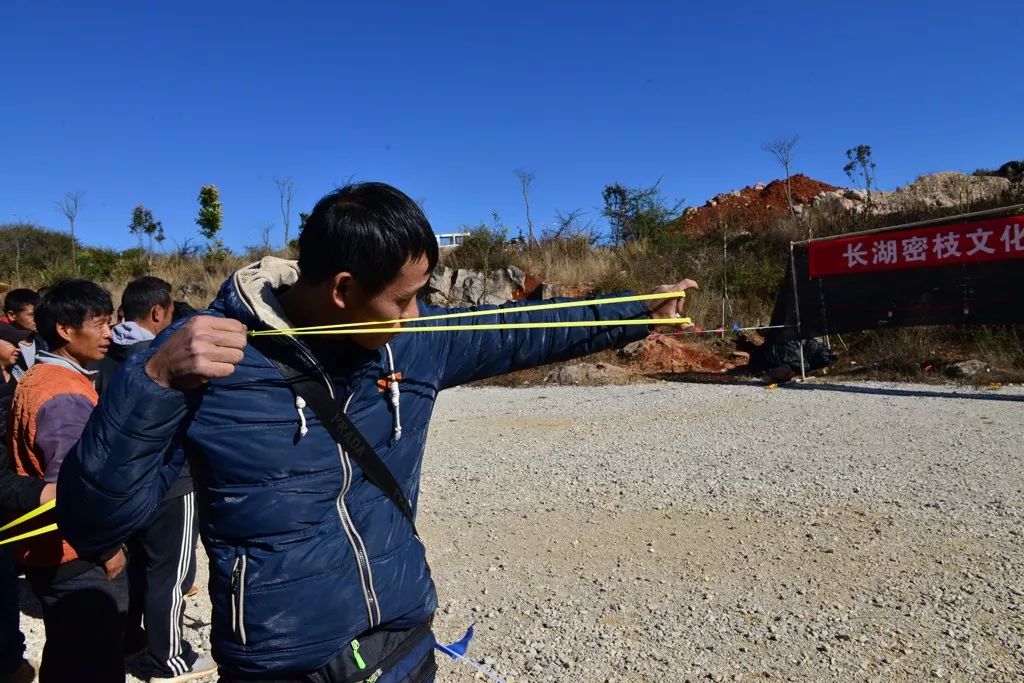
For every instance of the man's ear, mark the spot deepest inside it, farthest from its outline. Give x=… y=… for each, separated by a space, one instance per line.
x=64 y=331
x=158 y=313
x=342 y=290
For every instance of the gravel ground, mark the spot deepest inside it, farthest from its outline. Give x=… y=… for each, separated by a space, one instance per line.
x=671 y=532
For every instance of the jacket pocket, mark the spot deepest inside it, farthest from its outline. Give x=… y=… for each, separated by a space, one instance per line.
x=388 y=654
x=238 y=597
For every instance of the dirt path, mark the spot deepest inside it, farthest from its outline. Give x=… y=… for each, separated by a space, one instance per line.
x=674 y=532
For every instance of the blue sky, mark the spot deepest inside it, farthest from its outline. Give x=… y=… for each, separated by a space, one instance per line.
x=145 y=102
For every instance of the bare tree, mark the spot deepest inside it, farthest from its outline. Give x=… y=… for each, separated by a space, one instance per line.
x=285 y=193
x=782 y=149
x=69 y=208
x=265 y=235
x=525 y=179
x=572 y=225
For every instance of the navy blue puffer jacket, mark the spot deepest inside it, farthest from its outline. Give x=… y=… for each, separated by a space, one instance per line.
x=305 y=555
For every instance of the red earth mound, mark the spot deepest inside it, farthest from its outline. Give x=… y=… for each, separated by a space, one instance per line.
x=753 y=205
x=661 y=354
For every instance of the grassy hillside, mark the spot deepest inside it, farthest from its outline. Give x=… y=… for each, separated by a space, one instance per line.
x=740 y=264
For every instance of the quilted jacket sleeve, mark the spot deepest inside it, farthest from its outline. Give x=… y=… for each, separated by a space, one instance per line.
x=474 y=355
x=112 y=481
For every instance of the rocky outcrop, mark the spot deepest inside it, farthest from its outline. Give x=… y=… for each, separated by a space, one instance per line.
x=588 y=374
x=464 y=287
x=936 y=190
x=966 y=369
x=467 y=287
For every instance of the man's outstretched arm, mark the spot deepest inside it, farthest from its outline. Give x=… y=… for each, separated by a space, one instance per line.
x=110 y=483
x=473 y=355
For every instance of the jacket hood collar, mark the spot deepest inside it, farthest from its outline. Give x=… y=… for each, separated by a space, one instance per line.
x=249 y=294
x=128 y=333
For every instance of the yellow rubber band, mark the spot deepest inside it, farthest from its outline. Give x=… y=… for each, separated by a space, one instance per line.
x=472 y=314
x=45 y=507
x=29 y=534
x=498 y=326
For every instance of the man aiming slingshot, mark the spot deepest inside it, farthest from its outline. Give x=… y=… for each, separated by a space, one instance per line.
x=306 y=452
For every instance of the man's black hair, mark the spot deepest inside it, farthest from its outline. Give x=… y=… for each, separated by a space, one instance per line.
x=70 y=303
x=368 y=229
x=142 y=294
x=17 y=300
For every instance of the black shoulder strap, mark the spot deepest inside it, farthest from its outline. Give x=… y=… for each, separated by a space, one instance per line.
x=334 y=419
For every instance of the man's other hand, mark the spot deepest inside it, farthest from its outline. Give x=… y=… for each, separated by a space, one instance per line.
x=661 y=309
x=115 y=565
x=204 y=348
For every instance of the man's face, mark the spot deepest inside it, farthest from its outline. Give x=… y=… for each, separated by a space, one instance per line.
x=396 y=301
x=25 y=319
x=89 y=342
x=8 y=354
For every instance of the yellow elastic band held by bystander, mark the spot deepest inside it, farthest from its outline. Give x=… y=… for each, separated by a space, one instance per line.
x=45 y=507
x=29 y=534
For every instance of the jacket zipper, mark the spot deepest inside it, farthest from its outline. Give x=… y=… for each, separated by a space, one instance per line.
x=354 y=539
x=238 y=597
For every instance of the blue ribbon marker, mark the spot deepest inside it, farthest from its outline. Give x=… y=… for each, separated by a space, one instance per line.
x=457 y=651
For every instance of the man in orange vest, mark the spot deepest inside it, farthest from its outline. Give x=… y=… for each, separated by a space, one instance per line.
x=84 y=600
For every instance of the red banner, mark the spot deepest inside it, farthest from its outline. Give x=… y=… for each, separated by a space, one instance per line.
x=997 y=239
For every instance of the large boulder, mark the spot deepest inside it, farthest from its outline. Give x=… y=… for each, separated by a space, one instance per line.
x=465 y=287
x=468 y=288
x=588 y=374
x=439 y=286
x=966 y=369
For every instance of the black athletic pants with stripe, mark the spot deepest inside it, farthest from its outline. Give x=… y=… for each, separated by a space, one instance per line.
x=84 y=621
x=162 y=567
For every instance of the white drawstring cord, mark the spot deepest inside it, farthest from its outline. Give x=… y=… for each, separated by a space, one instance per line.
x=300 y=403
x=394 y=392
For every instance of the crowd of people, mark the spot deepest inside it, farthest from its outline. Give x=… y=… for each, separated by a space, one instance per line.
x=297 y=457
x=58 y=351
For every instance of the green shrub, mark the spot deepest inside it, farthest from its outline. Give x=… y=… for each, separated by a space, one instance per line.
x=31 y=254
x=484 y=248
x=98 y=264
